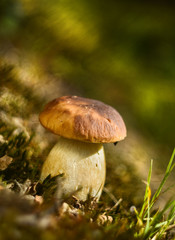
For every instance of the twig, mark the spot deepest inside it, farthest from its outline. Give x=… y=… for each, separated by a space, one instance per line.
x=116 y=205
x=170 y=227
x=110 y=194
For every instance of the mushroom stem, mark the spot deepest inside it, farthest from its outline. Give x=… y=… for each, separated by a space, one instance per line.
x=82 y=165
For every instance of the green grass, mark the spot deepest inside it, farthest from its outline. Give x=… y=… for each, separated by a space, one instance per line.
x=154 y=225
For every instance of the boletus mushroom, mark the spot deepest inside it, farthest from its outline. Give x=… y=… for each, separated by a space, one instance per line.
x=83 y=126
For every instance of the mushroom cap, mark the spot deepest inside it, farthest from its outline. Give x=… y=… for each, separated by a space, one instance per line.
x=83 y=119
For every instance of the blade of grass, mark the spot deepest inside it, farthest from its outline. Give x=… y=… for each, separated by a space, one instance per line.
x=167 y=173
x=156 y=227
x=169 y=169
x=147 y=227
x=146 y=196
x=157 y=217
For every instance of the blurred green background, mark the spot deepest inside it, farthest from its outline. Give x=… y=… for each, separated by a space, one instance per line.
x=120 y=52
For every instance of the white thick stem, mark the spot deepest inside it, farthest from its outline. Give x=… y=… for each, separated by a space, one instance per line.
x=83 y=166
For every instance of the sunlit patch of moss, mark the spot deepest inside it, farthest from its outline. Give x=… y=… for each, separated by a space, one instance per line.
x=12 y=102
x=19 y=147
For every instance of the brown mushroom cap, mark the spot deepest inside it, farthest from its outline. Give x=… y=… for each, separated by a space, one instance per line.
x=83 y=119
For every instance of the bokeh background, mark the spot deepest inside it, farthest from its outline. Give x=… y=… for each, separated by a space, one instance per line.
x=119 y=52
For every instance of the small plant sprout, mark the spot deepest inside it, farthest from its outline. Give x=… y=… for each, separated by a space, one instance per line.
x=83 y=126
